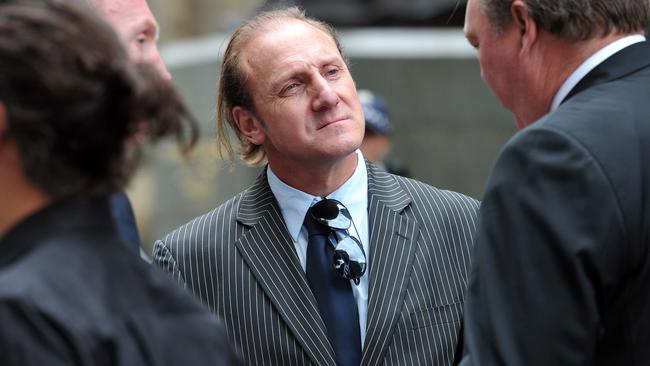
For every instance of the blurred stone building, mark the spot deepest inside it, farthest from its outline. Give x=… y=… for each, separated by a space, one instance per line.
x=190 y=18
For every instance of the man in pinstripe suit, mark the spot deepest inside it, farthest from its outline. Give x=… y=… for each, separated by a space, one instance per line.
x=287 y=94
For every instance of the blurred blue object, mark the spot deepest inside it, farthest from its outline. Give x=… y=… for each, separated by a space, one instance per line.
x=376 y=112
x=124 y=219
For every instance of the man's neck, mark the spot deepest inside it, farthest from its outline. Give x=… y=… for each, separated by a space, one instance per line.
x=559 y=58
x=591 y=63
x=580 y=52
x=316 y=178
x=19 y=197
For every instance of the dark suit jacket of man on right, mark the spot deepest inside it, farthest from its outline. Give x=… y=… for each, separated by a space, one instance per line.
x=240 y=261
x=562 y=259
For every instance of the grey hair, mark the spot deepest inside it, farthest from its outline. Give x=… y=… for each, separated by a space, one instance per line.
x=576 y=20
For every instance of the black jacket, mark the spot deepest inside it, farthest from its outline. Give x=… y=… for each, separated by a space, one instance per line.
x=562 y=257
x=71 y=294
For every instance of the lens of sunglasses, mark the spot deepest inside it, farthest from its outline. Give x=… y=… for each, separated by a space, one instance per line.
x=332 y=213
x=349 y=259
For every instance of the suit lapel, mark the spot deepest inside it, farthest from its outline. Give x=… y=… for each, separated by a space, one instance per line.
x=393 y=243
x=620 y=64
x=269 y=252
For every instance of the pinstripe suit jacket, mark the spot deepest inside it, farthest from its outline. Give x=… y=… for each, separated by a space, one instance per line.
x=240 y=261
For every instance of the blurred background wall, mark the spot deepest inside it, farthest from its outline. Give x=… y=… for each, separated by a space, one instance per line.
x=447 y=125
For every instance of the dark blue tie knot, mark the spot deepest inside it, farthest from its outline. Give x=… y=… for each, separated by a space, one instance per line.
x=314 y=227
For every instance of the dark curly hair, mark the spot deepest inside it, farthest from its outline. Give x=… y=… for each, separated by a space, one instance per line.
x=73 y=98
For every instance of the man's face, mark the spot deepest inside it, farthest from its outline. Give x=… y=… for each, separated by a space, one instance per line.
x=305 y=100
x=498 y=54
x=137 y=27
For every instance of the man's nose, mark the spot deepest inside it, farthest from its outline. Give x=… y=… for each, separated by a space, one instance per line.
x=325 y=95
x=156 y=60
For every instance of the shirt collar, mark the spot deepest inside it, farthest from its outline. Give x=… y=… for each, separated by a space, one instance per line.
x=63 y=218
x=589 y=64
x=295 y=203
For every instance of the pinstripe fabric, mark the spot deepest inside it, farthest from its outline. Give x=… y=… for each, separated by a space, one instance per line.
x=240 y=261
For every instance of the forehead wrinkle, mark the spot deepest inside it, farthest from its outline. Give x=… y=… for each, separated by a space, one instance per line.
x=292 y=70
x=296 y=61
x=299 y=67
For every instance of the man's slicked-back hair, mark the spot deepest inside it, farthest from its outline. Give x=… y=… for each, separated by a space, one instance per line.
x=233 y=88
x=73 y=98
x=576 y=20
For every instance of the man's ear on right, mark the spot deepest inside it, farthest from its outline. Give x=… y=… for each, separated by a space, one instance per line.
x=249 y=125
x=525 y=24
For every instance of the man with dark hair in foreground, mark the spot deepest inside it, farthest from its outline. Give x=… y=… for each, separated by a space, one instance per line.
x=70 y=292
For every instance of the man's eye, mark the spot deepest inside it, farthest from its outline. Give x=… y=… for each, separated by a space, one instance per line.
x=332 y=72
x=290 y=88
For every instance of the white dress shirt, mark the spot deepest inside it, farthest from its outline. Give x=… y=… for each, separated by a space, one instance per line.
x=354 y=195
x=590 y=63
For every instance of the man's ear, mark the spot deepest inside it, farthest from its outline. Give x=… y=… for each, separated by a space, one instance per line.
x=525 y=25
x=249 y=125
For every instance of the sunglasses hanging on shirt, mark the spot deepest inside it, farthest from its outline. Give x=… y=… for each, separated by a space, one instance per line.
x=349 y=259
